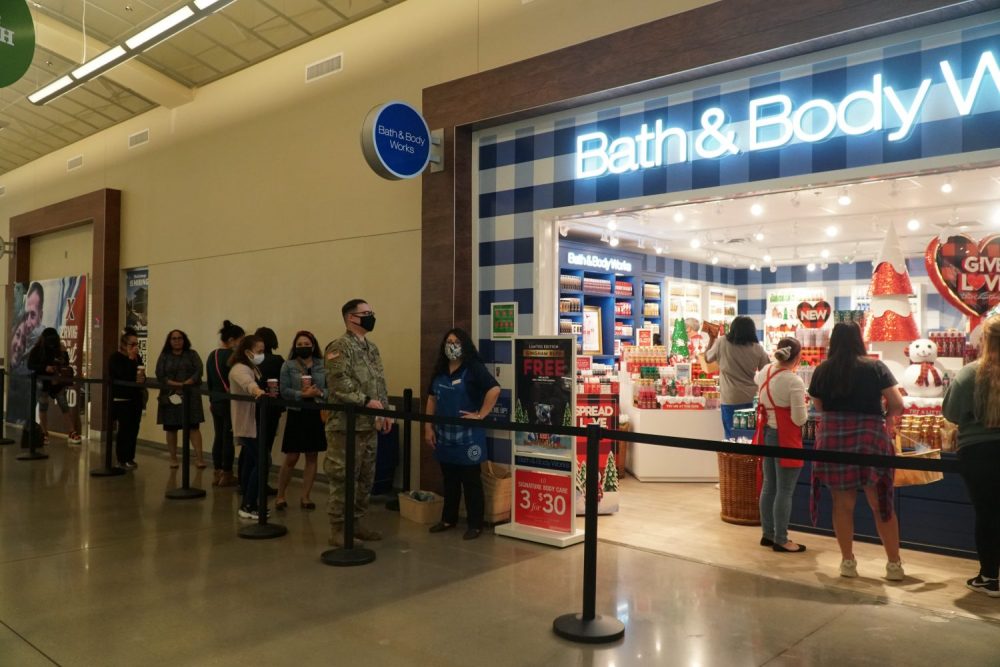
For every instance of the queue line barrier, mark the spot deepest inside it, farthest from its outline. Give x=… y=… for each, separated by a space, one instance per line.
x=584 y=627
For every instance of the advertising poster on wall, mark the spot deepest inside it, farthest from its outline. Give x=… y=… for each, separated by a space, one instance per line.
x=137 y=306
x=62 y=305
x=599 y=409
x=503 y=320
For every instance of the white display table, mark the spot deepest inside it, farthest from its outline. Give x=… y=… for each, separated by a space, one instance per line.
x=653 y=463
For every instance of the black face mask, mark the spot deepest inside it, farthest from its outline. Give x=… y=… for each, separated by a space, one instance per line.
x=303 y=352
x=367 y=322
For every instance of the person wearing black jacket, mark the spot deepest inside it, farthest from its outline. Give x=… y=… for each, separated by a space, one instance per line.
x=48 y=357
x=126 y=402
x=217 y=376
x=270 y=369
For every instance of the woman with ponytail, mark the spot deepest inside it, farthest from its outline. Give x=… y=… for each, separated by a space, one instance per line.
x=973 y=402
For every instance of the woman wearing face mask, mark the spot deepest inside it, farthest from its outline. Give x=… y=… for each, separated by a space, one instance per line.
x=244 y=376
x=179 y=366
x=126 y=402
x=461 y=387
x=217 y=374
x=303 y=377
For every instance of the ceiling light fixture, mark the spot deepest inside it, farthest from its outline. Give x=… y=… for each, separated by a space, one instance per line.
x=946 y=187
x=605 y=238
x=913 y=224
x=767 y=258
x=832 y=231
x=168 y=26
x=774 y=269
x=614 y=242
x=756 y=210
x=824 y=266
x=844 y=199
x=678 y=217
x=715 y=260
x=612 y=225
x=658 y=249
x=824 y=253
x=696 y=243
x=759 y=235
x=641 y=244
x=753 y=267
x=811 y=266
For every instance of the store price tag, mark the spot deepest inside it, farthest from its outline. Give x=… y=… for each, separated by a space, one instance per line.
x=543 y=500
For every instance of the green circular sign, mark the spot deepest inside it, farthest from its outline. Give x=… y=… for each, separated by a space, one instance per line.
x=17 y=40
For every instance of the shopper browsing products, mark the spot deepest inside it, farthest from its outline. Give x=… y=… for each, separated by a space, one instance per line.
x=849 y=388
x=244 y=376
x=354 y=374
x=177 y=367
x=973 y=402
x=303 y=378
x=126 y=402
x=782 y=397
x=461 y=387
x=739 y=356
x=217 y=374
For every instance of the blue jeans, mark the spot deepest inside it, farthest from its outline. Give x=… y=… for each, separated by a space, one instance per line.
x=727 y=416
x=248 y=473
x=776 y=494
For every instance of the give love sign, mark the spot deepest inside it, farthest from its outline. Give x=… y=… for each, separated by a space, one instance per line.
x=966 y=272
x=813 y=315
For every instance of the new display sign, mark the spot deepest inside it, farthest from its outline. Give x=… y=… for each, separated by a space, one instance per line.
x=17 y=41
x=966 y=272
x=396 y=141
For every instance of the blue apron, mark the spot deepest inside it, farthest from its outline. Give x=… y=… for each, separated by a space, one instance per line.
x=457 y=445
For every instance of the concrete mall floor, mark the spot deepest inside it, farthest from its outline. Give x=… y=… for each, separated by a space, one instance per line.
x=106 y=571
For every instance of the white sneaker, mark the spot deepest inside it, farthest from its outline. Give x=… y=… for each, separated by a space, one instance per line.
x=894 y=571
x=849 y=568
x=245 y=513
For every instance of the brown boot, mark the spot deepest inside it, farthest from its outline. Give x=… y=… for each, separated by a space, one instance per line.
x=366 y=533
x=337 y=536
x=228 y=479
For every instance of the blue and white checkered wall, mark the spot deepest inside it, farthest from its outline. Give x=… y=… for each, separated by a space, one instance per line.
x=526 y=171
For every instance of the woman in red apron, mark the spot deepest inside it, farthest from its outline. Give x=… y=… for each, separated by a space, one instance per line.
x=781 y=406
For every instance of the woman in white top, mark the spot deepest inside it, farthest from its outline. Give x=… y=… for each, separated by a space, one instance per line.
x=243 y=378
x=783 y=396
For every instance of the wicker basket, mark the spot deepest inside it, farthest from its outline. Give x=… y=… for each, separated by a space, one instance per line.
x=738 y=489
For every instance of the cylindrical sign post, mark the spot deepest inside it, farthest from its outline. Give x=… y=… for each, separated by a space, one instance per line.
x=349 y=555
x=109 y=469
x=185 y=491
x=588 y=627
x=29 y=423
x=262 y=530
x=4 y=440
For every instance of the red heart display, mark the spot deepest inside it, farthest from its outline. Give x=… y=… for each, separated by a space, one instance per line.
x=974 y=293
x=813 y=315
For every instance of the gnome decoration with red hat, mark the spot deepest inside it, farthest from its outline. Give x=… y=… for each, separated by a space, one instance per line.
x=890 y=326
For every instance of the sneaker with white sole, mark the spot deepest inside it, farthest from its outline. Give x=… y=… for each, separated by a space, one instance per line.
x=894 y=571
x=74 y=438
x=981 y=584
x=247 y=513
x=849 y=568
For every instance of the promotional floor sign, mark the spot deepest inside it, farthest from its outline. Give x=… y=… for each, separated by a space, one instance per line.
x=601 y=409
x=62 y=305
x=544 y=465
x=137 y=307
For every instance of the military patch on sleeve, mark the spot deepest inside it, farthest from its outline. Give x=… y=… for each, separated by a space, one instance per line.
x=330 y=356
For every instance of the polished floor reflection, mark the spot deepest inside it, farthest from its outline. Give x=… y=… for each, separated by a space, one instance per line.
x=106 y=571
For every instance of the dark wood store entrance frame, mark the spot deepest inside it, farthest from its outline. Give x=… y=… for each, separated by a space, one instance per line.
x=102 y=208
x=718 y=38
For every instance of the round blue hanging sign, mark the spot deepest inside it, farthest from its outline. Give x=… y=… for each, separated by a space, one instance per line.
x=396 y=141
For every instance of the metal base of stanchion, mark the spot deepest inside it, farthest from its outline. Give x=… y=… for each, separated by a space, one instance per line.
x=185 y=494
x=267 y=531
x=107 y=472
x=348 y=557
x=393 y=505
x=601 y=630
x=32 y=456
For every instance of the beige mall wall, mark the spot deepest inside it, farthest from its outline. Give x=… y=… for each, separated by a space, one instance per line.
x=253 y=202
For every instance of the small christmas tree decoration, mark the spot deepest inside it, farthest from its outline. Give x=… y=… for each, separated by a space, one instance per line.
x=679 y=340
x=611 y=473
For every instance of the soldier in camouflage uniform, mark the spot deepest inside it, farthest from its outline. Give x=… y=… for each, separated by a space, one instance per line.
x=354 y=375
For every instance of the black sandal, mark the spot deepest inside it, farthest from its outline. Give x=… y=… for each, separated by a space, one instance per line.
x=780 y=549
x=441 y=526
x=307 y=504
x=281 y=504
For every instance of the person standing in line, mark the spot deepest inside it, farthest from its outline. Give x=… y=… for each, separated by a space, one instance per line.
x=49 y=357
x=303 y=378
x=217 y=375
x=739 y=356
x=354 y=375
x=177 y=367
x=848 y=388
x=461 y=386
x=244 y=379
x=783 y=395
x=126 y=402
x=973 y=402
x=270 y=370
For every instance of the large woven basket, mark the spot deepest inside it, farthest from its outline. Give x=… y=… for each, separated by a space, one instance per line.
x=738 y=489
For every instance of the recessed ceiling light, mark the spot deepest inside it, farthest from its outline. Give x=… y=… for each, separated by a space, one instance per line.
x=756 y=210
x=811 y=266
x=658 y=249
x=678 y=217
x=767 y=259
x=614 y=241
x=832 y=231
x=612 y=225
x=753 y=267
x=824 y=266
x=946 y=187
x=715 y=260
x=695 y=243
x=913 y=224
x=824 y=253
x=774 y=269
x=759 y=236
x=844 y=199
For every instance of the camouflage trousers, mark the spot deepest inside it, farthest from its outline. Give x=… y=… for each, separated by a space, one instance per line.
x=335 y=465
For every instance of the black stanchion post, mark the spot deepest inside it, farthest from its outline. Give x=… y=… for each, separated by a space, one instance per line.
x=29 y=423
x=588 y=627
x=262 y=530
x=185 y=491
x=109 y=469
x=4 y=440
x=407 y=444
x=349 y=555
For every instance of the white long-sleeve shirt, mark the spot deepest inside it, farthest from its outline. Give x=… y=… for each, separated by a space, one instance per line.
x=788 y=390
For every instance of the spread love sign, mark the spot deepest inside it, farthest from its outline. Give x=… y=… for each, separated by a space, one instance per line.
x=813 y=315
x=966 y=272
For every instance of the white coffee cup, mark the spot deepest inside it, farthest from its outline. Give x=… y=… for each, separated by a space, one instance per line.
x=307 y=381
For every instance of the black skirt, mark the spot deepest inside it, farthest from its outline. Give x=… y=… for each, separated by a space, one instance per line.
x=304 y=432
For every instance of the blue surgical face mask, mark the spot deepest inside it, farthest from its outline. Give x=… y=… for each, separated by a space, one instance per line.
x=453 y=351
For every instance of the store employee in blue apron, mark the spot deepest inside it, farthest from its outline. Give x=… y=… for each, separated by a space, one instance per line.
x=460 y=387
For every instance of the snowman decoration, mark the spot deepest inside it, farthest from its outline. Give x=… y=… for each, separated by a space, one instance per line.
x=922 y=378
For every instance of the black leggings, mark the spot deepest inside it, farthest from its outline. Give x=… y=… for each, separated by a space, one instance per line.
x=456 y=479
x=981 y=472
x=127 y=414
x=223 y=450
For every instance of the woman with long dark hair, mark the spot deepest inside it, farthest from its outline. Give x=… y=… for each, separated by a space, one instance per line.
x=244 y=378
x=849 y=388
x=177 y=367
x=973 y=402
x=217 y=373
x=49 y=357
x=461 y=386
x=740 y=356
x=126 y=402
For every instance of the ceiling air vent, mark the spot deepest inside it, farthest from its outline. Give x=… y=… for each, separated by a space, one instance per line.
x=74 y=163
x=138 y=139
x=325 y=67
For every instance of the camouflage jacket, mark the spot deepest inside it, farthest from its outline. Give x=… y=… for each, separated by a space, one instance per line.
x=353 y=371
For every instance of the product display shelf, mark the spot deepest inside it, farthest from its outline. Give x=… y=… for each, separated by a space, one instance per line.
x=652 y=301
x=585 y=289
